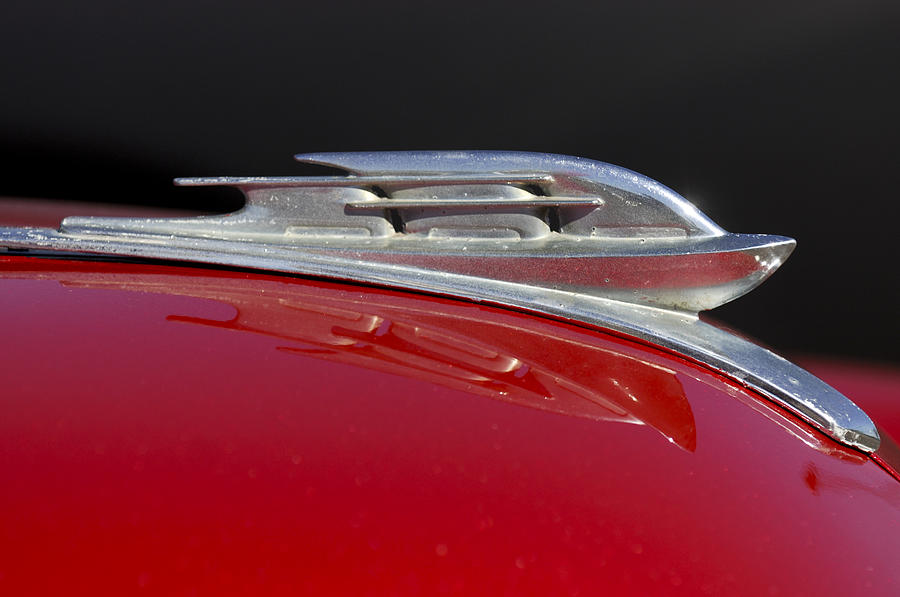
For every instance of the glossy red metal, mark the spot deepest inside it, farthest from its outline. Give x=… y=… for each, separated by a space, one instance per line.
x=179 y=430
x=876 y=389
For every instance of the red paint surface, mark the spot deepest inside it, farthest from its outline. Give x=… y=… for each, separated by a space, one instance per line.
x=176 y=430
x=876 y=389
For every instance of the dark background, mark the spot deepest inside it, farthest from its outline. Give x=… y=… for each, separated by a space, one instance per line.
x=775 y=117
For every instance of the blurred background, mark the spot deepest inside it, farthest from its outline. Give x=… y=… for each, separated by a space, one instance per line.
x=773 y=117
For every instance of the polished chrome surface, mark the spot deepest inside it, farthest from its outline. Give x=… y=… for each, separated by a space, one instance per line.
x=542 y=220
x=391 y=203
x=564 y=236
x=361 y=181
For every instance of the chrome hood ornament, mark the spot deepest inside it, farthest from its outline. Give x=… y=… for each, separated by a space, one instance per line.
x=541 y=220
x=565 y=236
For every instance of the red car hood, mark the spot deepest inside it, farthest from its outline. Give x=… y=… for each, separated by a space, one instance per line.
x=177 y=429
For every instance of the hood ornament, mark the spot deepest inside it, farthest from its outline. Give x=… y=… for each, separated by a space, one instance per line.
x=540 y=220
x=564 y=236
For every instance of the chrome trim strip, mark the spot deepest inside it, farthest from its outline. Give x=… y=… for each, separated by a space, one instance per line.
x=361 y=181
x=470 y=201
x=268 y=234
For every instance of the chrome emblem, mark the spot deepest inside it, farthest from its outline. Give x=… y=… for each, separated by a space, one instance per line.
x=541 y=220
x=567 y=237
